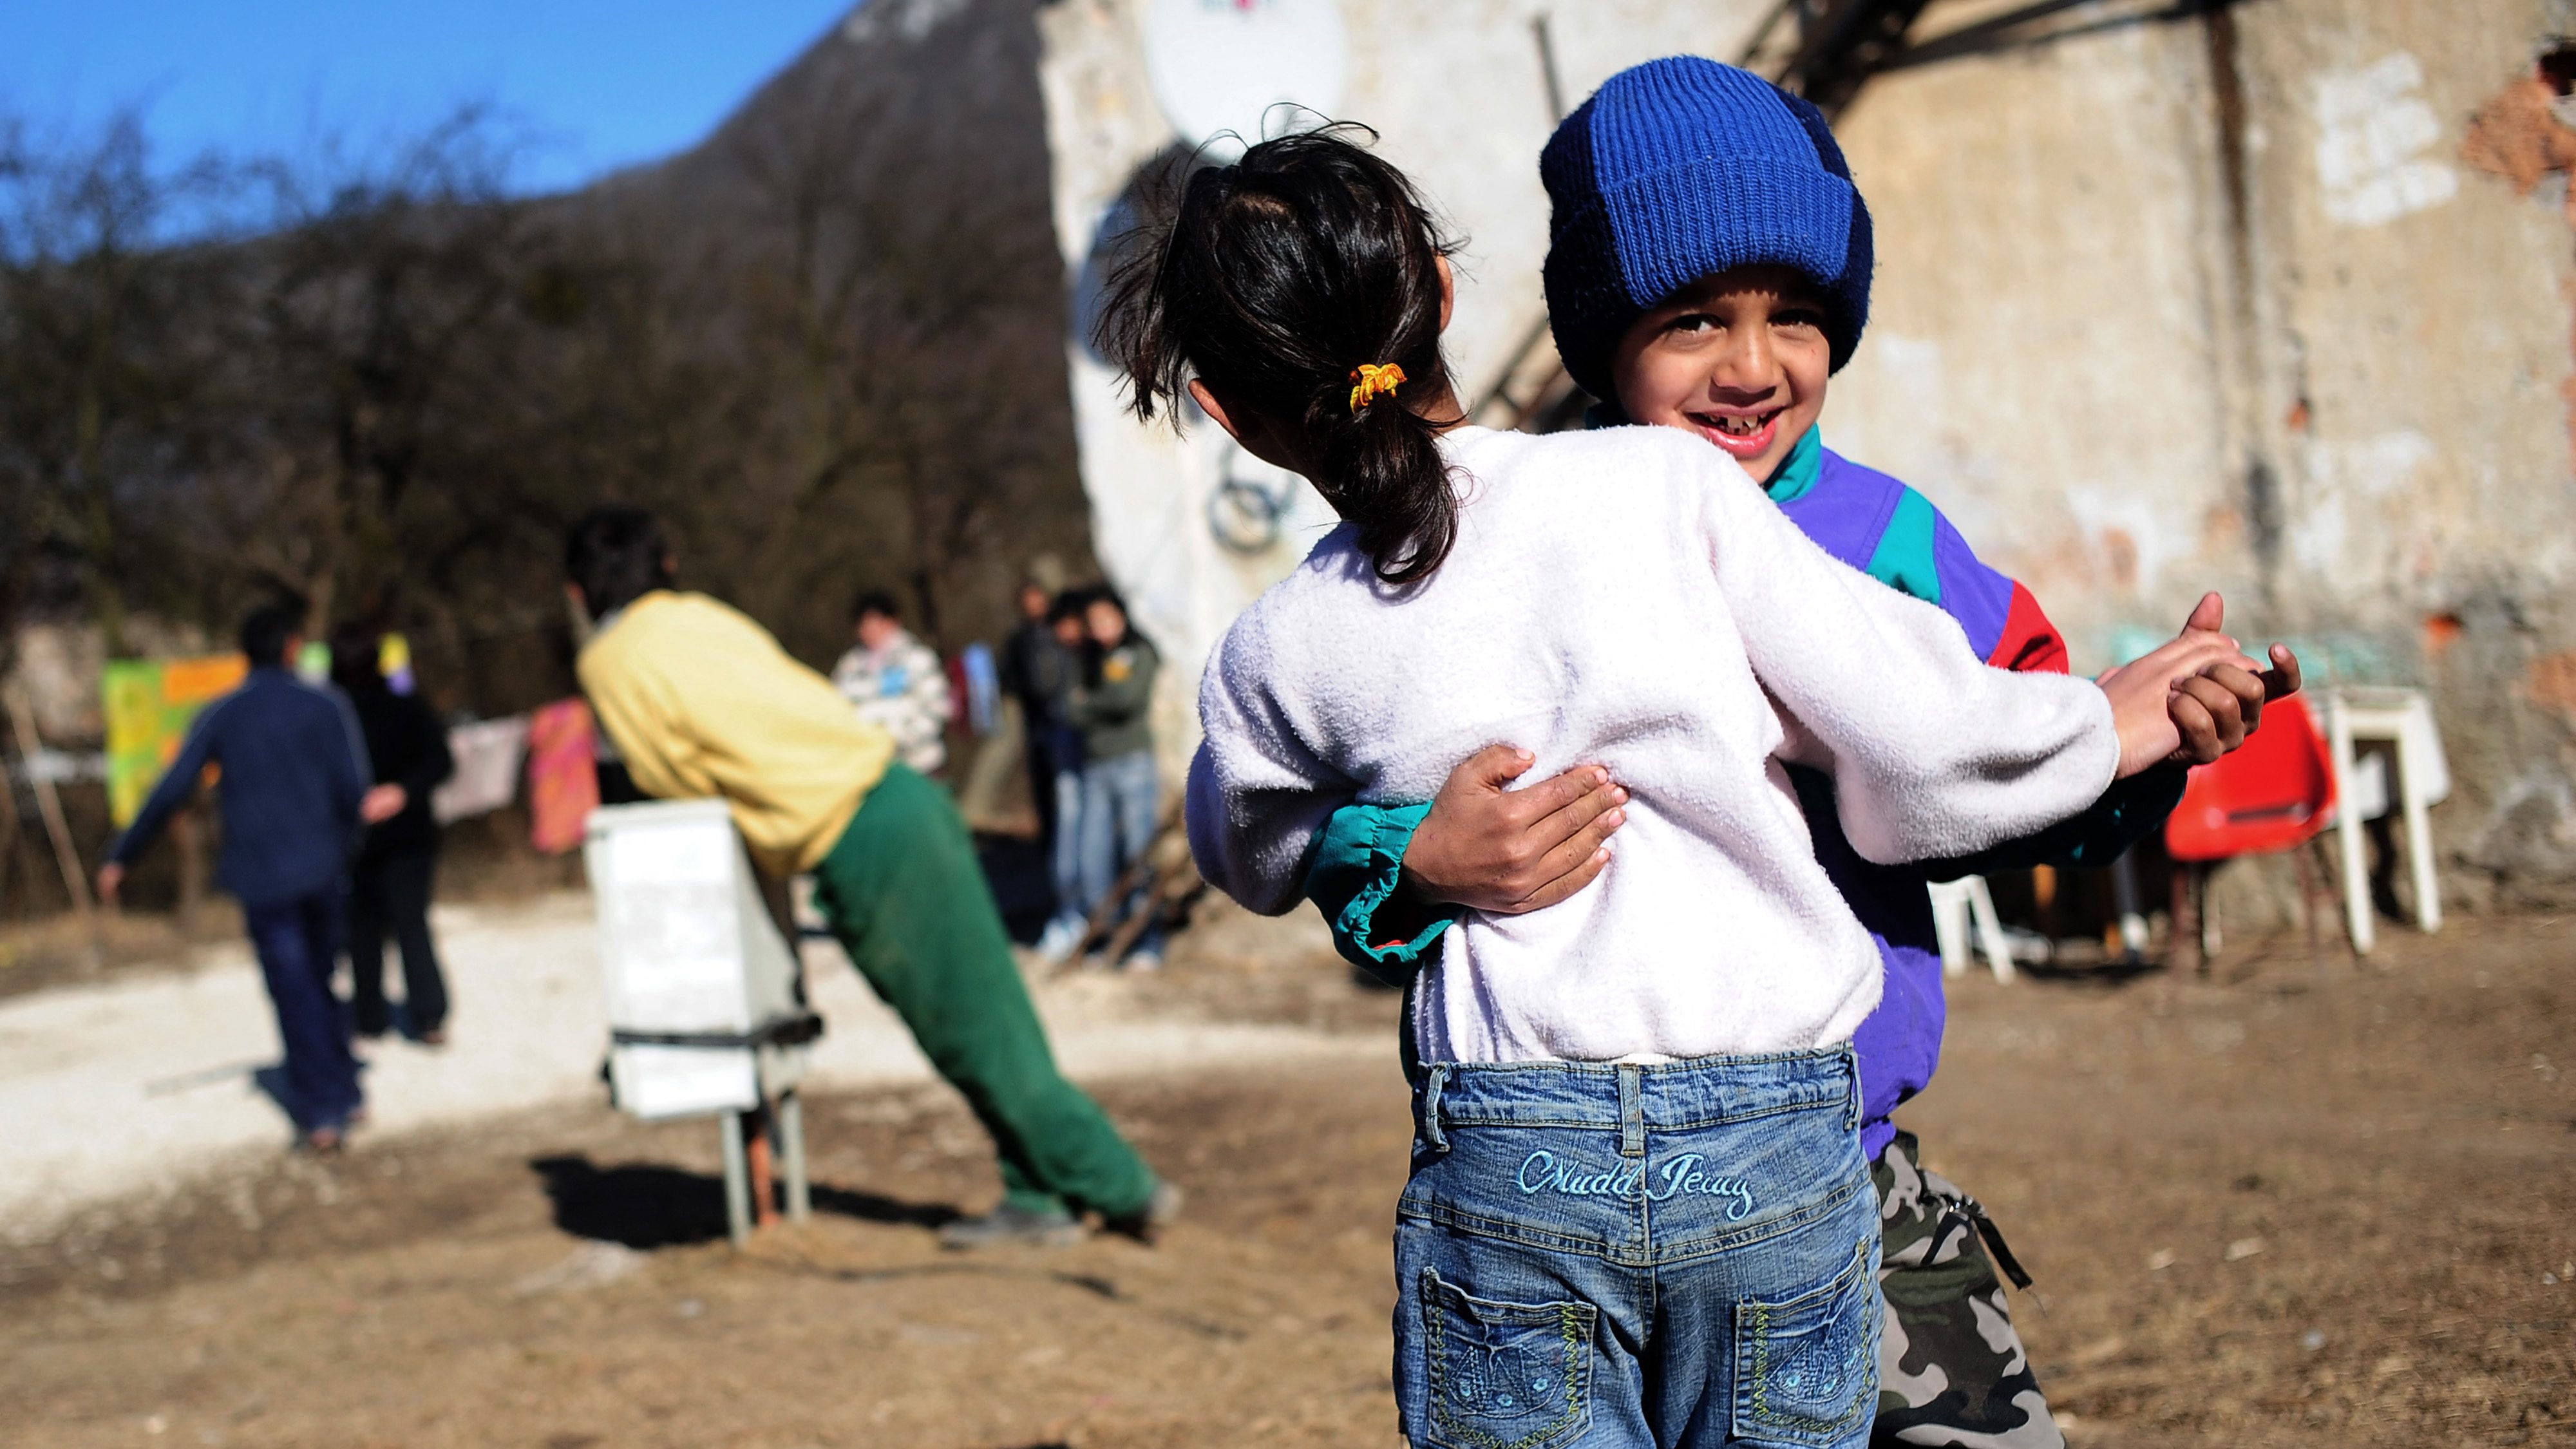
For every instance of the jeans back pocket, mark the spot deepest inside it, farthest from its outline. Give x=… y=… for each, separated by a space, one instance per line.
x=1504 y=1375
x=1806 y=1368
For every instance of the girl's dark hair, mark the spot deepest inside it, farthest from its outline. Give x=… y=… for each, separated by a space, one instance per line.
x=1274 y=279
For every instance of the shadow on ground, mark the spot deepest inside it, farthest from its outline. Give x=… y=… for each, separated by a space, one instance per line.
x=648 y=1205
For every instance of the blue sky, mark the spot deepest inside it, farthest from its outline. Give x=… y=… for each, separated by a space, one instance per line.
x=595 y=85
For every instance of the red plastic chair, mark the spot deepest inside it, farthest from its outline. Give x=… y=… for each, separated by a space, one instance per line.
x=2276 y=793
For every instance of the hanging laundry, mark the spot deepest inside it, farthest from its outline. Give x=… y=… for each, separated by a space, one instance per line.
x=487 y=768
x=981 y=688
x=563 y=775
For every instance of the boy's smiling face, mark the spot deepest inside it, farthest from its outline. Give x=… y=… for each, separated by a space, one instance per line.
x=1738 y=357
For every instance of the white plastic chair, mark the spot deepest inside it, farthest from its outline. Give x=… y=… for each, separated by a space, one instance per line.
x=1957 y=905
x=2403 y=720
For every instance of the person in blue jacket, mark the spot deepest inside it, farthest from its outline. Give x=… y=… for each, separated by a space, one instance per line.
x=294 y=795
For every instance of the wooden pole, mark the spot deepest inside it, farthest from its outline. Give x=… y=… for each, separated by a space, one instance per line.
x=49 y=805
x=11 y=845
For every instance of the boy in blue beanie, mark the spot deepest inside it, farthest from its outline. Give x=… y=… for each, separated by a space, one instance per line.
x=1709 y=270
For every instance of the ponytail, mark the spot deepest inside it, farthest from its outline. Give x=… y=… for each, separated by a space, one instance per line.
x=1383 y=471
x=1276 y=279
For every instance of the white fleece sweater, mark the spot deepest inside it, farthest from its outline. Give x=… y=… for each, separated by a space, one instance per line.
x=1629 y=597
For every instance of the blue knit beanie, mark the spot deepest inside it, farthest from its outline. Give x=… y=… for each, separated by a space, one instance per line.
x=1681 y=167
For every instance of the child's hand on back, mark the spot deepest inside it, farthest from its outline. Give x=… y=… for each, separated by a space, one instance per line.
x=1506 y=851
x=2195 y=698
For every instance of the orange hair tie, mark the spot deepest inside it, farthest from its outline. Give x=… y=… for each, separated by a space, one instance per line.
x=1369 y=379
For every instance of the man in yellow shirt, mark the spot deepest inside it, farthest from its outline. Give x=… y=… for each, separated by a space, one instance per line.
x=702 y=702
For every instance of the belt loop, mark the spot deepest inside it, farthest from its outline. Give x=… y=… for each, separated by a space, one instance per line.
x=1433 y=1080
x=1632 y=1113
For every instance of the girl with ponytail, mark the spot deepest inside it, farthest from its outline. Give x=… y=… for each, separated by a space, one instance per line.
x=1298 y=297
x=1639 y=1213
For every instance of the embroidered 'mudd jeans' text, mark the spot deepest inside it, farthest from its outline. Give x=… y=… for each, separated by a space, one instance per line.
x=1611 y=1255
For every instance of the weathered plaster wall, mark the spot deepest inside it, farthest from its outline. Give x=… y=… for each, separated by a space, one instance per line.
x=1460 y=95
x=2165 y=307
x=2345 y=410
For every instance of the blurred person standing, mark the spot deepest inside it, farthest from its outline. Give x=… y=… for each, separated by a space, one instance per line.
x=1032 y=674
x=294 y=795
x=390 y=884
x=1121 y=795
x=1066 y=664
x=896 y=681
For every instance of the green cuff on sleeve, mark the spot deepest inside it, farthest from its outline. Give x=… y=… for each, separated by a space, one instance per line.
x=2128 y=812
x=1357 y=865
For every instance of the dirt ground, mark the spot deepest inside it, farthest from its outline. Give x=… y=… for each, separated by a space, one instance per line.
x=486 y=860
x=2286 y=1207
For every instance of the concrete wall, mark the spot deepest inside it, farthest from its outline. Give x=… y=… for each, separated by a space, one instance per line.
x=2338 y=394
x=2162 y=307
x=1461 y=97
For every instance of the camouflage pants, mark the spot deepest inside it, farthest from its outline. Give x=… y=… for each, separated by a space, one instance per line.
x=1951 y=1369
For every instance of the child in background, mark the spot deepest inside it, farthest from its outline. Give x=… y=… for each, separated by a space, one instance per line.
x=1122 y=799
x=1723 y=317
x=1638 y=1211
x=895 y=681
x=1072 y=657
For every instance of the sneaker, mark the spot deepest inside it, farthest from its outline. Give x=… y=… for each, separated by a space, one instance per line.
x=1057 y=942
x=1012 y=1224
x=1146 y=1223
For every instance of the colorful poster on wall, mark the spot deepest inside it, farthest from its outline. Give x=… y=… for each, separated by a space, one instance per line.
x=149 y=705
x=563 y=775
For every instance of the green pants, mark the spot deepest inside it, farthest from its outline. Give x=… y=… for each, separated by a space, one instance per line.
x=903 y=892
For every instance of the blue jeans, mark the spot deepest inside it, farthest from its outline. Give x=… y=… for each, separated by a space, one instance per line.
x=1064 y=856
x=1121 y=805
x=1603 y=1255
x=298 y=944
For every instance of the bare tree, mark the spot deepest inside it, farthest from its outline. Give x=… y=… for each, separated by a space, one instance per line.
x=826 y=346
x=100 y=258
